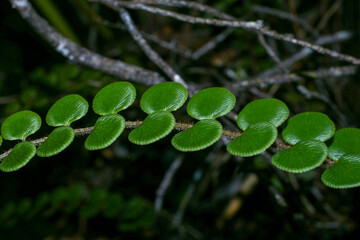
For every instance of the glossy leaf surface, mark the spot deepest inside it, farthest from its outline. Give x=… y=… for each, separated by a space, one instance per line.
x=202 y=135
x=59 y=139
x=303 y=156
x=106 y=130
x=346 y=140
x=167 y=96
x=345 y=173
x=263 y=110
x=155 y=126
x=255 y=139
x=20 y=125
x=67 y=110
x=211 y=103
x=114 y=98
x=308 y=126
x=19 y=156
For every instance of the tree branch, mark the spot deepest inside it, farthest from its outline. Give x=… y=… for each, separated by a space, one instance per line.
x=165 y=183
x=150 y=53
x=285 y=15
x=334 y=72
x=81 y=55
x=251 y=26
x=305 y=52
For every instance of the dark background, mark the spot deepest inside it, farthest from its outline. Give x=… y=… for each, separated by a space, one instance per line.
x=110 y=194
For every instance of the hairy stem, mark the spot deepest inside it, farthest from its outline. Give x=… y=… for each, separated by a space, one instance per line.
x=179 y=126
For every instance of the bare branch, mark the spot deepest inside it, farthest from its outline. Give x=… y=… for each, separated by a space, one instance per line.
x=334 y=72
x=212 y=44
x=305 y=52
x=271 y=52
x=150 y=53
x=81 y=55
x=252 y=26
x=187 y=4
x=182 y=17
x=165 y=183
x=285 y=15
x=172 y=46
x=263 y=82
x=328 y=14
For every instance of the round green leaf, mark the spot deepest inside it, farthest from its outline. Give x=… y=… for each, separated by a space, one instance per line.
x=20 y=125
x=211 y=103
x=59 y=139
x=167 y=96
x=202 y=135
x=0 y=140
x=113 y=98
x=19 y=156
x=346 y=140
x=263 y=110
x=106 y=130
x=155 y=126
x=255 y=139
x=67 y=110
x=345 y=173
x=303 y=156
x=308 y=126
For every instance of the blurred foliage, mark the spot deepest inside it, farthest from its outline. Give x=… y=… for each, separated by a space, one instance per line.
x=76 y=204
x=110 y=194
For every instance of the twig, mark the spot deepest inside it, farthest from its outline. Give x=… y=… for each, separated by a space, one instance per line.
x=200 y=7
x=328 y=14
x=334 y=72
x=271 y=52
x=172 y=46
x=305 y=52
x=251 y=26
x=285 y=15
x=179 y=126
x=81 y=55
x=263 y=82
x=165 y=183
x=212 y=44
x=150 y=53
x=178 y=216
x=187 y=4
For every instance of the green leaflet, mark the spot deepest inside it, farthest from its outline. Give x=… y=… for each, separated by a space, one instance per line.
x=202 y=135
x=67 y=110
x=167 y=96
x=113 y=98
x=308 y=126
x=19 y=156
x=155 y=126
x=263 y=110
x=20 y=125
x=258 y=119
x=345 y=173
x=255 y=139
x=59 y=139
x=106 y=130
x=346 y=140
x=211 y=103
x=303 y=156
